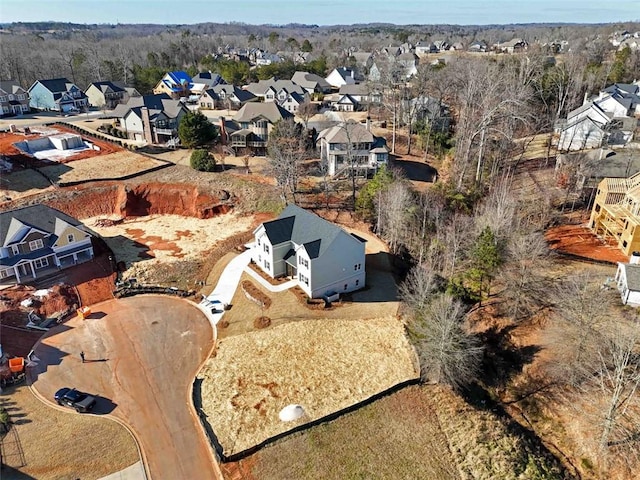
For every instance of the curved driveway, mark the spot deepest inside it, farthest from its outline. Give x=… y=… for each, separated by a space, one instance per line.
x=142 y=356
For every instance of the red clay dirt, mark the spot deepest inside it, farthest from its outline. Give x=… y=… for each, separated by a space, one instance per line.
x=115 y=198
x=142 y=355
x=579 y=241
x=18 y=158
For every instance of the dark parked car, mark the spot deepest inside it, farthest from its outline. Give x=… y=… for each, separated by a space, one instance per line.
x=72 y=398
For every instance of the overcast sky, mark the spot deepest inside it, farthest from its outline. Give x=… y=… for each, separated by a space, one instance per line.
x=321 y=12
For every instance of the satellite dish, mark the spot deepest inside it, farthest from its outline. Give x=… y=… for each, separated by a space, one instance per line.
x=291 y=413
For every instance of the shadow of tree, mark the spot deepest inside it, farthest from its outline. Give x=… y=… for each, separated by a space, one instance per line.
x=502 y=358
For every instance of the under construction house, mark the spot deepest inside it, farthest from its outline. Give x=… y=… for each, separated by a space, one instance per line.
x=616 y=212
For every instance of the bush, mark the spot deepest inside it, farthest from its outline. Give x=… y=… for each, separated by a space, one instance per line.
x=203 y=161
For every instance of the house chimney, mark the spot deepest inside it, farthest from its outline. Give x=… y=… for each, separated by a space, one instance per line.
x=368 y=123
x=223 y=132
x=146 y=125
x=635 y=258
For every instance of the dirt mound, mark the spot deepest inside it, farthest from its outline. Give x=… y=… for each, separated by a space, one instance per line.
x=110 y=198
x=54 y=300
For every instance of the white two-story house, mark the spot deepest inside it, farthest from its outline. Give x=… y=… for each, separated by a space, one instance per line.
x=321 y=256
x=38 y=240
x=351 y=147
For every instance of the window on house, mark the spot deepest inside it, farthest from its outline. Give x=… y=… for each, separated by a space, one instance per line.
x=41 y=262
x=357 y=282
x=345 y=286
x=267 y=265
x=15 y=250
x=355 y=267
x=266 y=248
x=597 y=208
x=70 y=238
x=36 y=244
x=624 y=244
x=4 y=273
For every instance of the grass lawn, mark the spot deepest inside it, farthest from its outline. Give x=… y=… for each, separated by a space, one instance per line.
x=61 y=445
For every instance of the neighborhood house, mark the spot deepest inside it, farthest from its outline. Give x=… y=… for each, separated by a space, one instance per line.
x=39 y=239
x=628 y=280
x=322 y=257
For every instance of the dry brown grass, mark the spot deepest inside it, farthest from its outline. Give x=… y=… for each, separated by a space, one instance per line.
x=64 y=445
x=397 y=437
x=377 y=300
x=113 y=165
x=419 y=432
x=325 y=365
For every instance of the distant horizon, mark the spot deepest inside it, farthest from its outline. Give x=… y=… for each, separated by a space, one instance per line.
x=322 y=13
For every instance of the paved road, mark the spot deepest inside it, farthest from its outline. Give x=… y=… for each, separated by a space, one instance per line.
x=33 y=119
x=143 y=353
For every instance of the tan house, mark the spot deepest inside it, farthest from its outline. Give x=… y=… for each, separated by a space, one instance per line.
x=616 y=212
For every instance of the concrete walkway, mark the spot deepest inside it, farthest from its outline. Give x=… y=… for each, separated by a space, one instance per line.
x=134 y=472
x=213 y=305
x=272 y=288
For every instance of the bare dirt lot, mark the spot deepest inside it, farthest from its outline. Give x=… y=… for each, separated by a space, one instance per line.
x=144 y=242
x=578 y=240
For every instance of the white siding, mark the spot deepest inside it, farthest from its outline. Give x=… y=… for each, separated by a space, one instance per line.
x=633 y=298
x=334 y=269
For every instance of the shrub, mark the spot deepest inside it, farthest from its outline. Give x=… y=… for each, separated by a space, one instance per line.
x=203 y=161
x=261 y=322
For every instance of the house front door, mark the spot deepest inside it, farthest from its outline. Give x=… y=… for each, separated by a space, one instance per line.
x=291 y=271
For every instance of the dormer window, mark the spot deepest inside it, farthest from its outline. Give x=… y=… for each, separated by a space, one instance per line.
x=70 y=238
x=36 y=244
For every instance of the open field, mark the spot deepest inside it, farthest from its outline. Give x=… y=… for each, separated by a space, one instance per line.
x=59 y=444
x=324 y=365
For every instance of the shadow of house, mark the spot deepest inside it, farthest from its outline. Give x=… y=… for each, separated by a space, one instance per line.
x=47 y=354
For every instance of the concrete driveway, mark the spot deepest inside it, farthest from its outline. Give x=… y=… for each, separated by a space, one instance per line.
x=142 y=354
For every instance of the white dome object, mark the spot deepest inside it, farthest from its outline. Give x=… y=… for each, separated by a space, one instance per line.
x=291 y=413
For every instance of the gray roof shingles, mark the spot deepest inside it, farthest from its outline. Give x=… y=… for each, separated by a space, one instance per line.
x=301 y=227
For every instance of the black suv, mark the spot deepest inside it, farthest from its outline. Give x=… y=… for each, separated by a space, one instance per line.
x=72 y=398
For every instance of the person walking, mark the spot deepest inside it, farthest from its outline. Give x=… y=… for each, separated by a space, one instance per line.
x=82 y=356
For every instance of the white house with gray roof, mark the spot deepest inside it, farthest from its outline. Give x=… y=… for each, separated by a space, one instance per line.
x=321 y=256
x=351 y=146
x=628 y=280
x=38 y=240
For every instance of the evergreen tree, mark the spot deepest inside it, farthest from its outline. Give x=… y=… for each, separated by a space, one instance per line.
x=196 y=130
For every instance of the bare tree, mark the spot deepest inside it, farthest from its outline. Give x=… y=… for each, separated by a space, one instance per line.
x=447 y=351
x=618 y=382
x=393 y=214
x=286 y=149
x=306 y=110
x=525 y=285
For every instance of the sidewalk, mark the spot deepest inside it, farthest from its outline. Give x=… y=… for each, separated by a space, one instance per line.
x=213 y=305
x=272 y=288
